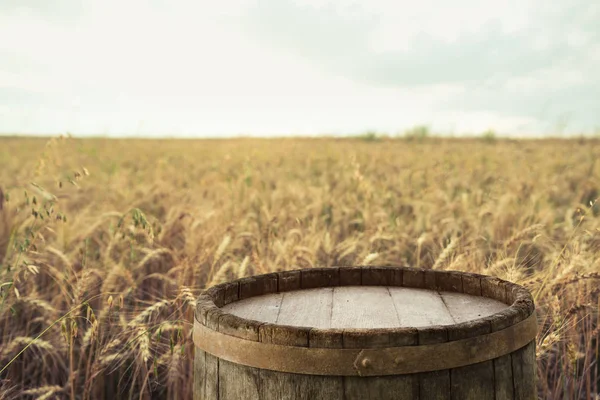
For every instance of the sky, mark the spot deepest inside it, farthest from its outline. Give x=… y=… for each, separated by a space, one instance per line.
x=299 y=67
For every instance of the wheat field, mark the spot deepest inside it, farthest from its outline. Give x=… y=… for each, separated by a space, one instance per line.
x=105 y=244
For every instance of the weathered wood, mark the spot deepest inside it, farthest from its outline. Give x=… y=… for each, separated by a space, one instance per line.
x=217 y=295
x=369 y=307
x=283 y=335
x=524 y=373
x=503 y=370
x=448 y=281
x=466 y=308
x=265 y=310
x=231 y=292
x=256 y=286
x=472 y=382
x=211 y=377
x=289 y=280
x=434 y=385
x=350 y=276
x=282 y=386
x=472 y=284
x=381 y=388
x=364 y=307
x=384 y=357
x=211 y=363
x=404 y=387
x=320 y=277
x=233 y=325
x=476 y=381
x=380 y=314
x=310 y=307
x=414 y=278
x=199 y=375
x=503 y=378
x=277 y=385
x=420 y=307
x=238 y=381
x=382 y=276
x=493 y=288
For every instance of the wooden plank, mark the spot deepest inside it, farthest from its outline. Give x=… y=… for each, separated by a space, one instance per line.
x=414 y=278
x=319 y=277
x=381 y=276
x=310 y=308
x=381 y=388
x=476 y=381
x=464 y=307
x=211 y=363
x=448 y=281
x=472 y=284
x=287 y=386
x=350 y=276
x=284 y=335
x=289 y=280
x=503 y=378
x=199 y=374
x=233 y=325
x=400 y=387
x=231 y=292
x=472 y=382
x=282 y=386
x=503 y=374
x=368 y=307
x=263 y=308
x=326 y=338
x=524 y=372
x=365 y=307
x=419 y=307
x=238 y=381
x=493 y=288
x=258 y=285
x=217 y=295
x=434 y=385
x=211 y=384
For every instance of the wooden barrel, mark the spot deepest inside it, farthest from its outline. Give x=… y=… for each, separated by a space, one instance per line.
x=365 y=333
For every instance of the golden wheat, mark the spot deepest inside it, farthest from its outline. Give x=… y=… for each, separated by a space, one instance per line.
x=105 y=244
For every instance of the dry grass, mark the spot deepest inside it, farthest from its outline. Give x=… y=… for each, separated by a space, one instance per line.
x=99 y=273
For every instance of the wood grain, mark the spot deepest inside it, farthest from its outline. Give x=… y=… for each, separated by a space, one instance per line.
x=278 y=385
x=524 y=373
x=211 y=383
x=199 y=375
x=434 y=385
x=310 y=308
x=369 y=307
x=476 y=381
x=264 y=308
x=399 y=387
x=364 y=307
x=420 y=307
x=464 y=307
x=238 y=381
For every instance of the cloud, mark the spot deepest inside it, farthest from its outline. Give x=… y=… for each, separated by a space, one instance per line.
x=523 y=60
x=462 y=41
x=302 y=66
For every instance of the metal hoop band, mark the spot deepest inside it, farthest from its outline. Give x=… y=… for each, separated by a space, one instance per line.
x=366 y=362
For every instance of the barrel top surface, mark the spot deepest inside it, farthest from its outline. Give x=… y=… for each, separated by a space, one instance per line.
x=365 y=307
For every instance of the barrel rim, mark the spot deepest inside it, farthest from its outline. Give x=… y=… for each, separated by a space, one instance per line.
x=209 y=313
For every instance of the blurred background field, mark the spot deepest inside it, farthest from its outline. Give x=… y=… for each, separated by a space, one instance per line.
x=104 y=244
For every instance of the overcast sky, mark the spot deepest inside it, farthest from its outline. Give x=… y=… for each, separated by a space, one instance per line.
x=279 y=67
